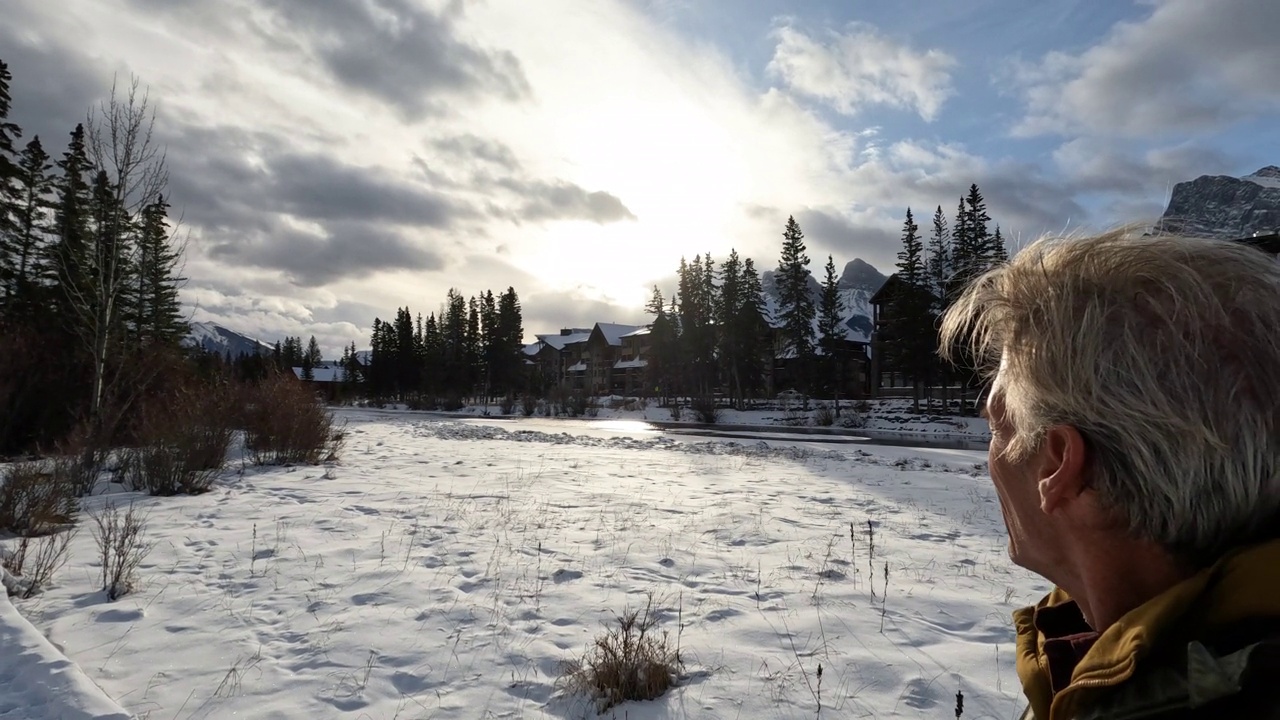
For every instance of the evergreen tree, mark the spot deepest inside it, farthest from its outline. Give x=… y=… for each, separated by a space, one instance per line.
x=510 y=376
x=70 y=256
x=9 y=132
x=909 y=340
x=962 y=250
x=795 y=305
x=727 y=310
x=158 y=311
x=751 y=328
x=663 y=347
x=911 y=257
x=999 y=253
x=939 y=252
x=831 y=335
x=24 y=259
x=471 y=347
x=982 y=252
x=492 y=347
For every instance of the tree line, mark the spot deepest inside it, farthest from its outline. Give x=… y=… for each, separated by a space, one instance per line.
x=89 y=272
x=471 y=348
x=931 y=274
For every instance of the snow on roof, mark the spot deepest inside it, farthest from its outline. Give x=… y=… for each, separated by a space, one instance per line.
x=577 y=367
x=327 y=373
x=642 y=331
x=560 y=341
x=533 y=348
x=628 y=364
x=613 y=333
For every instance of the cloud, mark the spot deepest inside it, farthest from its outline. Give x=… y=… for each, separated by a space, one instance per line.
x=560 y=200
x=862 y=67
x=42 y=107
x=1189 y=66
x=399 y=51
x=1097 y=165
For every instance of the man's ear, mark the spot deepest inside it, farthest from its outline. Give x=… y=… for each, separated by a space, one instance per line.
x=1060 y=467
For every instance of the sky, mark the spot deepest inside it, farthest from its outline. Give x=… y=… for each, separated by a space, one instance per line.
x=333 y=160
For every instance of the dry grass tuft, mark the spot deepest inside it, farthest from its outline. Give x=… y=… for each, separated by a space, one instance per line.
x=630 y=661
x=36 y=561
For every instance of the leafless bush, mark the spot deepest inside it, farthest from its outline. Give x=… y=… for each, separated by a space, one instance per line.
x=528 y=405
x=36 y=561
x=705 y=409
x=675 y=410
x=36 y=498
x=577 y=403
x=508 y=404
x=824 y=416
x=121 y=547
x=285 y=423
x=183 y=440
x=630 y=661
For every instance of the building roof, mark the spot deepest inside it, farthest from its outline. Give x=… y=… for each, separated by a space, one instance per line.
x=577 y=367
x=628 y=364
x=645 y=330
x=323 y=373
x=560 y=341
x=614 y=332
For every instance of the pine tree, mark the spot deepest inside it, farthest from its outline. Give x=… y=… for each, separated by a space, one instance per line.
x=471 y=351
x=911 y=257
x=831 y=335
x=510 y=336
x=9 y=133
x=982 y=253
x=663 y=347
x=726 y=314
x=26 y=256
x=962 y=250
x=999 y=253
x=752 y=330
x=795 y=305
x=158 y=309
x=938 y=264
x=70 y=253
x=909 y=339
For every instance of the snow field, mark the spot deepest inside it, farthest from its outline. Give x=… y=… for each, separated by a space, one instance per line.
x=446 y=570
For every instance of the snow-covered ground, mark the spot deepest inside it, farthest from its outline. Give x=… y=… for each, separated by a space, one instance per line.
x=451 y=569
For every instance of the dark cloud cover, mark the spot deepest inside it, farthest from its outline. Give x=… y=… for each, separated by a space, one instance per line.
x=399 y=52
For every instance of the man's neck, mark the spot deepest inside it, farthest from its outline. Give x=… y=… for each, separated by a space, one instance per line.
x=1112 y=577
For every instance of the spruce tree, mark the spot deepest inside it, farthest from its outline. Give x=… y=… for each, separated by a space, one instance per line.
x=27 y=257
x=70 y=252
x=159 y=311
x=663 y=348
x=962 y=250
x=752 y=330
x=911 y=267
x=831 y=333
x=983 y=254
x=728 y=306
x=999 y=253
x=511 y=367
x=795 y=305
x=938 y=263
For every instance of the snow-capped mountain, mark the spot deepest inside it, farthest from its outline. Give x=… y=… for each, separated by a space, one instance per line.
x=1226 y=207
x=857 y=284
x=212 y=337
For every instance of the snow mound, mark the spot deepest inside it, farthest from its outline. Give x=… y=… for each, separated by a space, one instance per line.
x=37 y=681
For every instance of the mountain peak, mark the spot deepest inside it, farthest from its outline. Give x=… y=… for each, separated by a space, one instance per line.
x=212 y=337
x=861 y=275
x=1270 y=171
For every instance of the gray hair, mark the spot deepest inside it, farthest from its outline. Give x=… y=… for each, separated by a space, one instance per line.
x=1164 y=353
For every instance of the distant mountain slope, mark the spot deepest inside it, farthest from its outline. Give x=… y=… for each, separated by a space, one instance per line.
x=857 y=284
x=1225 y=207
x=215 y=338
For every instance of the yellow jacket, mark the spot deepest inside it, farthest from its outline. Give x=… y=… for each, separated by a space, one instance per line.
x=1203 y=648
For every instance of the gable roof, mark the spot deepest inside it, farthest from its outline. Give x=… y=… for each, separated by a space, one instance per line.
x=613 y=332
x=558 y=341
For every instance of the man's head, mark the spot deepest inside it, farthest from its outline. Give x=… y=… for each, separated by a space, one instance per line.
x=1139 y=373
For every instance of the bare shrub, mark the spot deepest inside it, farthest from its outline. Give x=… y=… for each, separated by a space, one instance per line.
x=528 y=405
x=577 y=404
x=183 y=441
x=121 y=547
x=36 y=561
x=630 y=661
x=508 y=404
x=37 y=499
x=705 y=409
x=286 y=423
x=675 y=410
x=824 y=416
x=592 y=409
